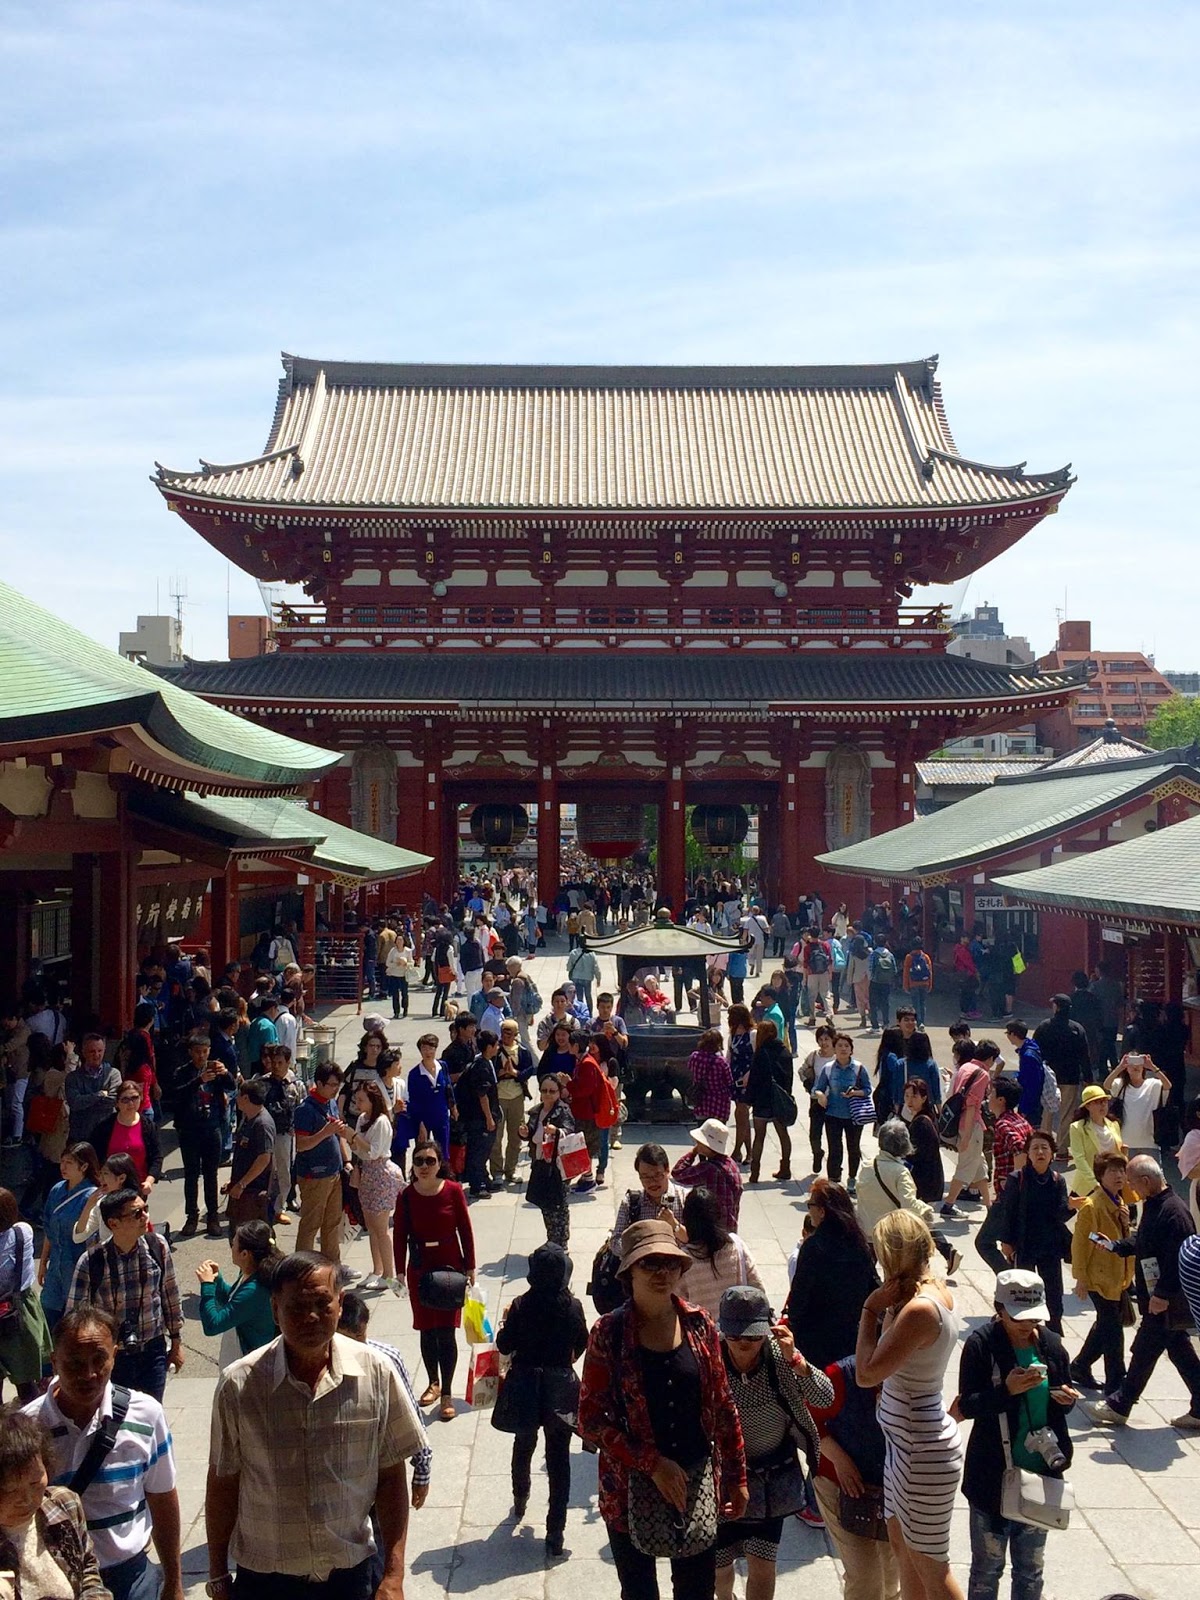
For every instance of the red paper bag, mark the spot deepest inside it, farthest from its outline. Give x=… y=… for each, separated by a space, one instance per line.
x=483 y=1377
x=573 y=1159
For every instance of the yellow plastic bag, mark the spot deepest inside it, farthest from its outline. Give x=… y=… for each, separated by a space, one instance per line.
x=476 y=1327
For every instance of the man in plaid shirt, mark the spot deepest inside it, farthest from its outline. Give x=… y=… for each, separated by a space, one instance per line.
x=1011 y=1132
x=132 y=1277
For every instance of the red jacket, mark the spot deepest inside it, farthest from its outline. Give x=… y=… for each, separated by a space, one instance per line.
x=621 y=1427
x=586 y=1088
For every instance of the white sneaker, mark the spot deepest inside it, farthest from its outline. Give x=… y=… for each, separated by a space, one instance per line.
x=373 y=1281
x=1103 y=1415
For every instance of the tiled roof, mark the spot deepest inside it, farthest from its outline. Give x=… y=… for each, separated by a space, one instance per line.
x=278 y=827
x=459 y=678
x=611 y=438
x=1012 y=814
x=55 y=682
x=1155 y=878
x=967 y=773
x=1100 y=750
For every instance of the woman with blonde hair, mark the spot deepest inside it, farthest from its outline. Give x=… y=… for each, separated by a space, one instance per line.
x=906 y=1336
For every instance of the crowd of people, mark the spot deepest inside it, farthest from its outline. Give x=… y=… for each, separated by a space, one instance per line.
x=714 y=1416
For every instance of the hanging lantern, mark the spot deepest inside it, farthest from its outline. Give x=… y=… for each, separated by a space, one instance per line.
x=718 y=829
x=608 y=833
x=499 y=828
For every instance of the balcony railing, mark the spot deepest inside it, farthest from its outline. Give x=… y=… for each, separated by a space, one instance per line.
x=431 y=623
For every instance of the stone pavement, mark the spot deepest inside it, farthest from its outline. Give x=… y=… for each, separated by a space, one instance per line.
x=1138 y=1491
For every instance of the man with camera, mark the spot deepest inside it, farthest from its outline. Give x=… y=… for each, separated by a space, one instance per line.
x=112 y=1446
x=132 y=1277
x=202 y=1091
x=1014 y=1383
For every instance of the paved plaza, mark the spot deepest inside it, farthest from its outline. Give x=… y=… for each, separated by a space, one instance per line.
x=1138 y=1491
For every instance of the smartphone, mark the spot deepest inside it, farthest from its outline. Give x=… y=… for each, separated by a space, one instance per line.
x=1037 y=1366
x=1136 y=1061
x=1098 y=1238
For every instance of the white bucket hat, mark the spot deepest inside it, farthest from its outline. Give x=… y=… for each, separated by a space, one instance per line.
x=713 y=1135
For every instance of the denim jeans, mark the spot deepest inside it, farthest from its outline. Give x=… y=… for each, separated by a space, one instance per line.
x=994 y=1538
x=144 y=1368
x=916 y=998
x=397 y=989
x=879 y=998
x=135 y=1579
x=479 y=1144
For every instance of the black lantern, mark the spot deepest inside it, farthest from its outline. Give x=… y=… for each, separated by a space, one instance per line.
x=499 y=828
x=718 y=829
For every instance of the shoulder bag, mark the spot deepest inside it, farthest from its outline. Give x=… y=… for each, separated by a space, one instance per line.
x=102 y=1443
x=441 y=1288
x=863 y=1514
x=10 y=1309
x=1031 y=1497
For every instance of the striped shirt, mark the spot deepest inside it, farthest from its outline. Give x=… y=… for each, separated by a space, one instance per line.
x=309 y=1462
x=141 y=1462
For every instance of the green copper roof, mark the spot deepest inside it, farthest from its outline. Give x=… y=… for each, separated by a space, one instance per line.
x=1153 y=878
x=55 y=682
x=1012 y=813
x=281 y=827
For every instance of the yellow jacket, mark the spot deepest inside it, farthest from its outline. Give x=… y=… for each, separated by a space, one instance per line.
x=1085 y=1147
x=1095 y=1267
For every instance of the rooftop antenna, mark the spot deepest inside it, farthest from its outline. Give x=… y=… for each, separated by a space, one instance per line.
x=178 y=592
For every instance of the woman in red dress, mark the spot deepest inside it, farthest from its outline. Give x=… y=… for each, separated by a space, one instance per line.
x=432 y=1232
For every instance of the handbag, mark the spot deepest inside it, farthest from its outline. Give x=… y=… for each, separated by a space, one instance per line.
x=776 y=1485
x=1168 y=1129
x=862 y=1111
x=1128 y=1306
x=1031 y=1497
x=518 y=1406
x=440 y=1288
x=862 y=1514
x=783 y=1105
x=10 y=1310
x=657 y=1529
x=44 y=1113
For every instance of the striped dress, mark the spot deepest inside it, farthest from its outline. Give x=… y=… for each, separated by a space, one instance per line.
x=924 y=1458
x=1189 y=1273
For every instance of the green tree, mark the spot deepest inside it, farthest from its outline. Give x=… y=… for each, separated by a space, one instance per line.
x=1176 y=722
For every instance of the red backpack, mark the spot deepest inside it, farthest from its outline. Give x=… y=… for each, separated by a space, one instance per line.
x=608 y=1111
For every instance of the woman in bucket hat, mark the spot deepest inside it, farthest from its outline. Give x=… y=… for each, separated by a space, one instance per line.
x=656 y=1403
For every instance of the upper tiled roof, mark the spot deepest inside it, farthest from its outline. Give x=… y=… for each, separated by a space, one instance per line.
x=1155 y=878
x=967 y=773
x=56 y=683
x=617 y=678
x=418 y=437
x=1110 y=746
x=1014 y=813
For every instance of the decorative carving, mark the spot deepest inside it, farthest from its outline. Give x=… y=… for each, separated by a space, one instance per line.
x=373 y=791
x=847 y=796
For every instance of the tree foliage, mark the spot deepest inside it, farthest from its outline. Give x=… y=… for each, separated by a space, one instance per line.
x=1176 y=722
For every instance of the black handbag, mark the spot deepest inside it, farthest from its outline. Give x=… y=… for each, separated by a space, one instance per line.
x=862 y=1514
x=1168 y=1128
x=518 y=1406
x=776 y=1485
x=440 y=1288
x=783 y=1105
x=657 y=1529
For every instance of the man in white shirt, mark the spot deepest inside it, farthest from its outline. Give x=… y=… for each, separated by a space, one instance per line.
x=287 y=1029
x=118 y=1441
x=308 y=1434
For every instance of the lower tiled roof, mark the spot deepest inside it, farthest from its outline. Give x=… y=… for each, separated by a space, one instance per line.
x=617 y=679
x=1155 y=878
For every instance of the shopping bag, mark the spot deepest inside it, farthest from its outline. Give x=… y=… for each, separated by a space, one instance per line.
x=483 y=1377
x=573 y=1159
x=476 y=1327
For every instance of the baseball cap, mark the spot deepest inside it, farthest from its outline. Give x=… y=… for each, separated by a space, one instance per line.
x=1023 y=1295
x=744 y=1313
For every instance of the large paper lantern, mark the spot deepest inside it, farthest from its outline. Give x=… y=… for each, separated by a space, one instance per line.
x=718 y=829
x=608 y=833
x=499 y=828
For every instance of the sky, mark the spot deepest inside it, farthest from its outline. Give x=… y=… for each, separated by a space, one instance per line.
x=186 y=189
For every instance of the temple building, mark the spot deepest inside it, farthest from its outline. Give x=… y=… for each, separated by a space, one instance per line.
x=613 y=587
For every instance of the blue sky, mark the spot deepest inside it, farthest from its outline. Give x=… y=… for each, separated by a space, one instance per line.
x=187 y=189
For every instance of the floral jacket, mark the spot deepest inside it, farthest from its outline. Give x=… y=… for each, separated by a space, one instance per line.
x=611 y=1358
x=61 y=1523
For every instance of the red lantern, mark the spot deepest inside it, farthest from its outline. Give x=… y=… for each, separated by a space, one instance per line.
x=608 y=832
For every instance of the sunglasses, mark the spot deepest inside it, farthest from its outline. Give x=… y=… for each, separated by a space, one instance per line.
x=425 y=1161
x=131 y=1216
x=129 y=1100
x=660 y=1264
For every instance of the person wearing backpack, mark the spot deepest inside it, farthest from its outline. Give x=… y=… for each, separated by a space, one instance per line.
x=918 y=979
x=858 y=973
x=968 y=1092
x=883 y=970
x=816 y=960
x=132 y=1277
x=111 y=1446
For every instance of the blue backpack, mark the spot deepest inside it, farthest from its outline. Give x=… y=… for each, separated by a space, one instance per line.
x=918 y=967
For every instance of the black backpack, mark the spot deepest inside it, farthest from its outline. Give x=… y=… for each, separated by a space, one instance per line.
x=605 y=1285
x=818 y=961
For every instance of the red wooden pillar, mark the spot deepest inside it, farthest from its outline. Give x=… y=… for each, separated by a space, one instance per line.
x=84 y=949
x=549 y=867
x=223 y=909
x=769 y=854
x=118 y=963
x=309 y=929
x=672 y=842
x=790 y=870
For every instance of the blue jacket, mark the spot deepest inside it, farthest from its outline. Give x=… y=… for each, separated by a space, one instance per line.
x=836 y=1080
x=1031 y=1075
